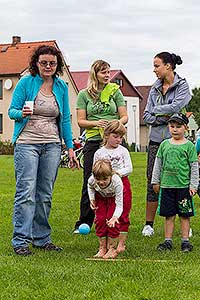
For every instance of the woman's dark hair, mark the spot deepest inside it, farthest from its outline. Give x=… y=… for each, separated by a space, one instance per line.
x=44 y=49
x=170 y=58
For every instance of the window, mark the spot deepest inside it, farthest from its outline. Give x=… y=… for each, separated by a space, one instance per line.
x=1 y=89
x=119 y=81
x=1 y=123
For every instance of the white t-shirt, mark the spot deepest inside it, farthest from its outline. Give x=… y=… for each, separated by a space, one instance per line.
x=114 y=189
x=119 y=157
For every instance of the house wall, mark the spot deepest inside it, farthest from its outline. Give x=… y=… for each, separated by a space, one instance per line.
x=132 y=105
x=193 y=127
x=72 y=102
x=5 y=103
x=133 y=125
x=144 y=137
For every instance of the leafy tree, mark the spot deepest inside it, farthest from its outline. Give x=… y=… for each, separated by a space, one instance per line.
x=194 y=105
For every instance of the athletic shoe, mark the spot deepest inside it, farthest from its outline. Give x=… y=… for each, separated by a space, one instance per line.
x=76 y=231
x=167 y=245
x=147 y=230
x=186 y=247
x=23 y=251
x=190 y=232
x=49 y=247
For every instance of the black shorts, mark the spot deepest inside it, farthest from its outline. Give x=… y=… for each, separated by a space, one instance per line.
x=175 y=201
x=152 y=151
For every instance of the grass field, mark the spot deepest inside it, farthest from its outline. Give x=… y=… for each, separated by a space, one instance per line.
x=143 y=274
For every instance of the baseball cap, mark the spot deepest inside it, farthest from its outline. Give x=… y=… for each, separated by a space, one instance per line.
x=179 y=118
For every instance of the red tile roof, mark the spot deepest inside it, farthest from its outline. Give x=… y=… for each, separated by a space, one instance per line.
x=16 y=57
x=80 y=79
x=189 y=114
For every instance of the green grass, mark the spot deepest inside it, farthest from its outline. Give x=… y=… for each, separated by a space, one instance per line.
x=144 y=275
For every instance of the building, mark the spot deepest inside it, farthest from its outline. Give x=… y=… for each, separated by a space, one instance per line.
x=192 y=126
x=14 y=58
x=144 y=129
x=132 y=97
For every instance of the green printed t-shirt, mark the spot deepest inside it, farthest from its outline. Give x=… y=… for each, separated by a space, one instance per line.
x=96 y=110
x=176 y=160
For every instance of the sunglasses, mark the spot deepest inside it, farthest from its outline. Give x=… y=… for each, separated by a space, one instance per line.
x=45 y=63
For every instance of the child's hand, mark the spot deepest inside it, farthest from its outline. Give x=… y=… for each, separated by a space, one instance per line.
x=156 y=188
x=192 y=192
x=93 y=204
x=112 y=221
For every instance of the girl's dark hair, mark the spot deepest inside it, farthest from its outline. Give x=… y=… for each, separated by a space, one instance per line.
x=44 y=49
x=170 y=58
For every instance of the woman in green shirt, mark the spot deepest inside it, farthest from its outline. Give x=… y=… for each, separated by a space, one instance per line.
x=99 y=103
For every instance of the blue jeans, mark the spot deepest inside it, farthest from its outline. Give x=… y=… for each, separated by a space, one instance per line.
x=36 y=167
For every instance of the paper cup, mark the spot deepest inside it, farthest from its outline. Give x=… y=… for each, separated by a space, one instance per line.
x=29 y=104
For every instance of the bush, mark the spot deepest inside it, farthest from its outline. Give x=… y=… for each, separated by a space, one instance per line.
x=6 y=148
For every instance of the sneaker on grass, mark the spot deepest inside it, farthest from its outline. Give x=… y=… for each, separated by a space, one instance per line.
x=147 y=230
x=23 y=251
x=186 y=247
x=167 y=245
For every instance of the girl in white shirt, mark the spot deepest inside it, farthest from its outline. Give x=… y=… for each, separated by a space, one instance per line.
x=105 y=190
x=121 y=163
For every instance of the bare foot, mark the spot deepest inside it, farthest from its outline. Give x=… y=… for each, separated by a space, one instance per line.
x=121 y=248
x=112 y=253
x=100 y=253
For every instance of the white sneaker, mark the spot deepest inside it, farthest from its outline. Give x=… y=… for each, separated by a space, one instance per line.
x=76 y=231
x=147 y=230
x=190 y=232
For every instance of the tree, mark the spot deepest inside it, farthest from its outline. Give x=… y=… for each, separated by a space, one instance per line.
x=194 y=105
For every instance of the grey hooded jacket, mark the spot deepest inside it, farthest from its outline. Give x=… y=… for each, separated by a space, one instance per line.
x=159 y=107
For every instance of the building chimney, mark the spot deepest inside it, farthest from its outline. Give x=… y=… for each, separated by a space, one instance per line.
x=16 y=40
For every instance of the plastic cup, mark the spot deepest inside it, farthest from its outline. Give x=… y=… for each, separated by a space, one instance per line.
x=29 y=104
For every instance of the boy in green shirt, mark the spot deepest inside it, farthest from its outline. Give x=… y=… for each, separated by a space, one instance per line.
x=175 y=178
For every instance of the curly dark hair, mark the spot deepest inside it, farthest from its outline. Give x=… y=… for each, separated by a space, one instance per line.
x=45 y=49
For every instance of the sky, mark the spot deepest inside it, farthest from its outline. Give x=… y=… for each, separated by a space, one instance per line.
x=125 y=33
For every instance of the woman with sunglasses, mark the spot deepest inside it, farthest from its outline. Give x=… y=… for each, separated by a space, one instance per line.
x=37 y=138
x=168 y=95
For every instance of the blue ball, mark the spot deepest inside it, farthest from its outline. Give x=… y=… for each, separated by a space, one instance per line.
x=84 y=229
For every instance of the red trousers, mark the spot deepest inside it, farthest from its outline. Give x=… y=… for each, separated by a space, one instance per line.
x=106 y=208
x=127 y=201
x=104 y=211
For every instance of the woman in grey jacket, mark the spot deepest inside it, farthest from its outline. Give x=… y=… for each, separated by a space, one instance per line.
x=168 y=95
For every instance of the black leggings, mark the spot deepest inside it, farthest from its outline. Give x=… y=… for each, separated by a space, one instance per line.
x=86 y=213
